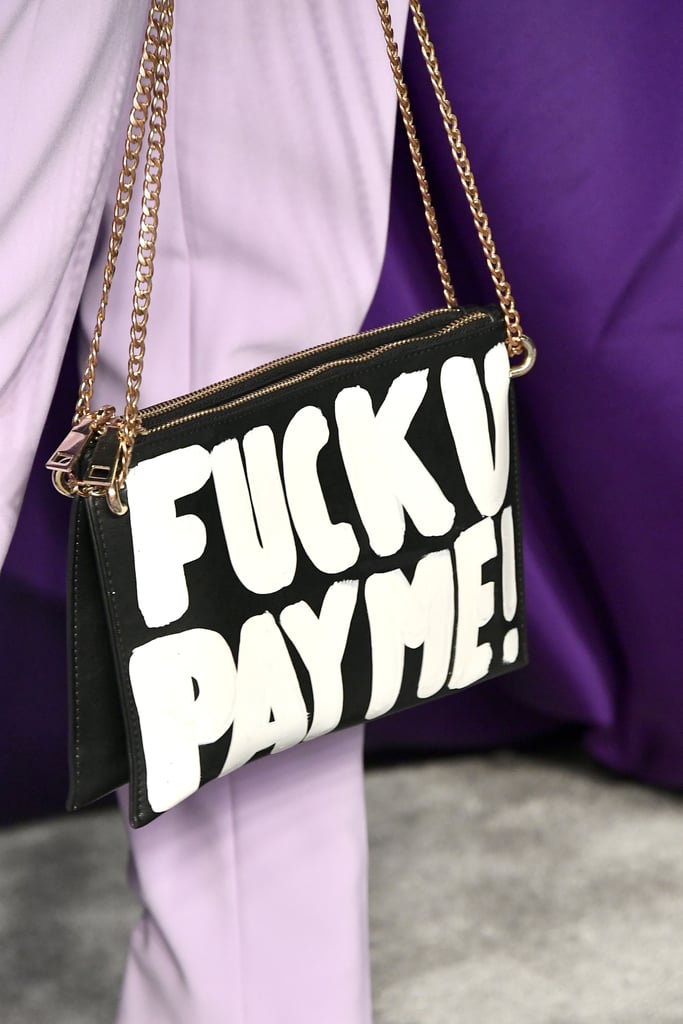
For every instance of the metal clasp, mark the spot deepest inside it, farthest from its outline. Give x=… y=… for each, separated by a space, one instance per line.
x=102 y=477
x=62 y=463
x=521 y=369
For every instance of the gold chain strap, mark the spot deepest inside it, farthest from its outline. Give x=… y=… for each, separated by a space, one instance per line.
x=147 y=236
x=517 y=342
x=148 y=121
x=415 y=151
x=154 y=58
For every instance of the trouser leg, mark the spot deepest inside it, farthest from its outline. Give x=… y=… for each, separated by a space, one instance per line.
x=254 y=896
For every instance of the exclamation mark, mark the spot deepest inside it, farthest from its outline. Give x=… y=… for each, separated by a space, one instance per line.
x=511 y=639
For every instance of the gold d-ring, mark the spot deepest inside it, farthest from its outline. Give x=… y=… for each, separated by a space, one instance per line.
x=60 y=481
x=520 y=369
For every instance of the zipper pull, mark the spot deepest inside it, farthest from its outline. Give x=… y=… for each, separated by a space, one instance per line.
x=101 y=476
x=63 y=461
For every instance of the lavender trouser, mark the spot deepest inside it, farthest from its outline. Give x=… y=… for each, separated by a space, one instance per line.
x=255 y=897
x=272 y=235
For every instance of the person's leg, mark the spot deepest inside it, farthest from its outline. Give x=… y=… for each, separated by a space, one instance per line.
x=254 y=897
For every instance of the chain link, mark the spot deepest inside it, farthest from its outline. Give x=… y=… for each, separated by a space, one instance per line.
x=135 y=137
x=416 y=152
x=150 y=104
x=147 y=236
x=516 y=339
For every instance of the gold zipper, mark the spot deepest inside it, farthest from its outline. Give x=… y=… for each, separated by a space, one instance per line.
x=304 y=375
x=175 y=403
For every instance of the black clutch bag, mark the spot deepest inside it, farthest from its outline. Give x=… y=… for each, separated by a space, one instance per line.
x=326 y=539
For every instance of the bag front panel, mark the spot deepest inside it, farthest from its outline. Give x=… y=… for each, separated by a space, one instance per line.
x=331 y=552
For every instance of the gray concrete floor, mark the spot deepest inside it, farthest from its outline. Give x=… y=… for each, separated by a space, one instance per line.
x=505 y=889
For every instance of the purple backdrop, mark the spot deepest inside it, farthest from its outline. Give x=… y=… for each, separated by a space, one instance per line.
x=572 y=117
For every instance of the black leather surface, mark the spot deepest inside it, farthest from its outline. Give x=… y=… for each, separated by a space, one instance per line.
x=98 y=754
x=220 y=602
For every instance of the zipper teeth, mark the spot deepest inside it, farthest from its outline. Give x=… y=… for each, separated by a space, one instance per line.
x=308 y=374
x=175 y=403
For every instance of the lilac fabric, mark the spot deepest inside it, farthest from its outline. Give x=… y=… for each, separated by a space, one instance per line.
x=255 y=894
x=572 y=118
x=254 y=890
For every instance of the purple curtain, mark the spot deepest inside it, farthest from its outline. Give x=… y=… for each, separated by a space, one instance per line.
x=571 y=113
x=33 y=633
